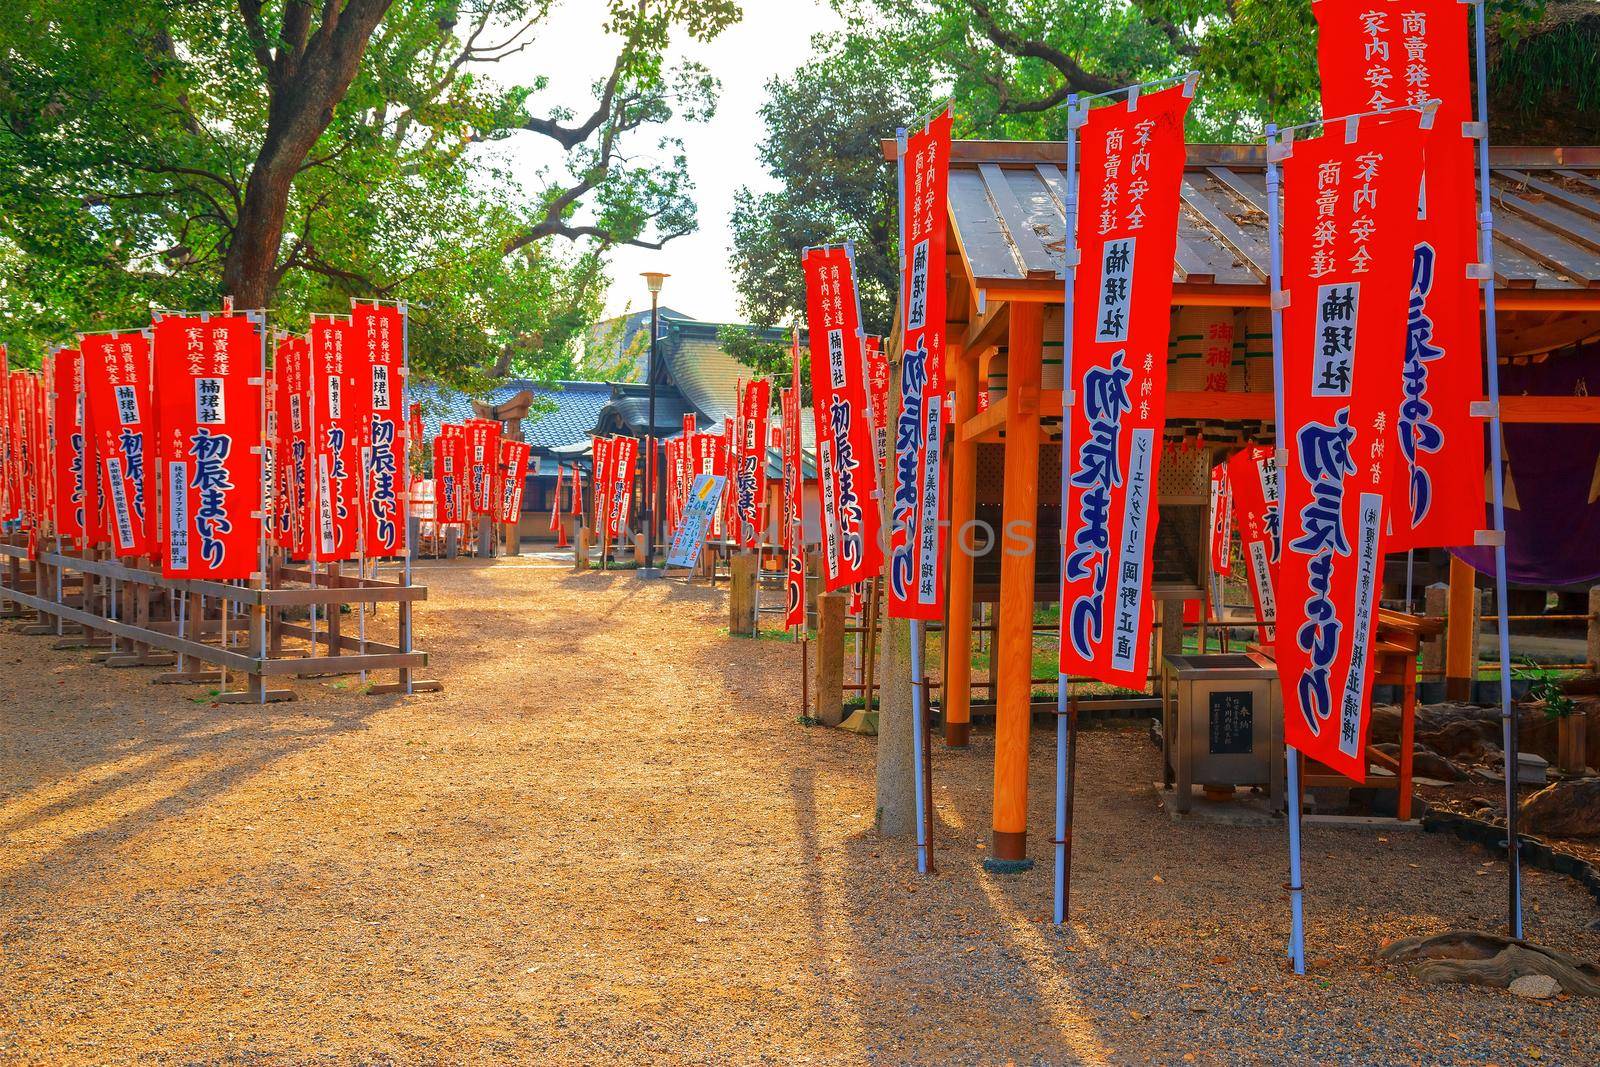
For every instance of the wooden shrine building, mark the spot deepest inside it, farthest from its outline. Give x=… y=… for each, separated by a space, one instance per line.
x=1004 y=344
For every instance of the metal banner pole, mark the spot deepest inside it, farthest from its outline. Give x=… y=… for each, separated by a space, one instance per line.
x=919 y=696
x=266 y=518
x=405 y=394
x=1069 y=274
x=1275 y=152
x=1497 y=536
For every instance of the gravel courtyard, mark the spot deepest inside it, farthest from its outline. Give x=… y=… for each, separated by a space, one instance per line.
x=609 y=840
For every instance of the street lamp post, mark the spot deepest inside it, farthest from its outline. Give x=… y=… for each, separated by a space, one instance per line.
x=652 y=281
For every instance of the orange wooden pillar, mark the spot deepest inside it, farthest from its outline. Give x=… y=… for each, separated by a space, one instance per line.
x=963 y=509
x=1018 y=543
x=1460 y=653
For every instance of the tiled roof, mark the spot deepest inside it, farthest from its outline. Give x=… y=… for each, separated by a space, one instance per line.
x=564 y=414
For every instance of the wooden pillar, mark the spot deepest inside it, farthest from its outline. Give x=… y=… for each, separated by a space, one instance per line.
x=963 y=509
x=580 y=550
x=742 y=594
x=830 y=658
x=1594 y=629
x=1461 y=648
x=1018 y=543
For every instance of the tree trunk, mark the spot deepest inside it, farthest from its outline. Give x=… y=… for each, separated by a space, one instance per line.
x=897 y=801
x=305 y=85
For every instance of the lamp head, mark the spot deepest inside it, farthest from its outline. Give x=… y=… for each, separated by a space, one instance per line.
x=653 y=279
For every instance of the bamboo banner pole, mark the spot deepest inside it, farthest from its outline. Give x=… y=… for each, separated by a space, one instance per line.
x=1063 y=857
x=919 y=740
x=260 y=610
x=1497 y=536
x=411 y=549
x=1297 y=948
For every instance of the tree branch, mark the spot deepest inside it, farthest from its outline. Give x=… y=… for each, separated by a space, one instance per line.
x=1077 y=79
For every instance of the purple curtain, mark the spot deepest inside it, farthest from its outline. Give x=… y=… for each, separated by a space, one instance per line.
x=1553 y=537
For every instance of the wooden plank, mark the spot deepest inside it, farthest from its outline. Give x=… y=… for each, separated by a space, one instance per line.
x=208 y=653
x=1550 y=410
x=1569 y=224
x=1035 y=258
x=1545 y=247
x=1251 y=249
x=984 y=245
x=342 y=664
x=1569 y=200
x=1586 y=180
x=1056 y=182
x=1189 y=266
x=985 y=333
x=1239 y=187
x=993 y=418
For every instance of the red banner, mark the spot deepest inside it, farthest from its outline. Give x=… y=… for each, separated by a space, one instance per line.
x=622 y=457
x=916 y=540
x=207 y=385
x=291 y=381
x=1221 y=525
x=1350 y=222
x=449 y=475
x=70 y=503
x=750 y=473
x=600 y=483
x=511 y=476
x=8 y=490
x=878 y=381
x=119 y=416
x=1383 y=53
x=555 y=501
x=378 y=332
x=852 y=542
x=793 y=504
x=483 y=437
x=338 y=420
x=577 y=493
x=1131 y=168
x=1253 y=477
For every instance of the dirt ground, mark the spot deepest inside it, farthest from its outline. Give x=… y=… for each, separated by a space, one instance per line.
x=609 y=840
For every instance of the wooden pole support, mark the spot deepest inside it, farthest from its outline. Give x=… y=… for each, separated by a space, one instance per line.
x=963 y=510
x=1461 y=632
x=1594 y=629
x=580 y=550
x=1014 y=654
x=742 y=594
x=830 y=658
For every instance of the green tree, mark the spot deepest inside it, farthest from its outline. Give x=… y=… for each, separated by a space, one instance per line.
x=291 y=153
x=824 y=125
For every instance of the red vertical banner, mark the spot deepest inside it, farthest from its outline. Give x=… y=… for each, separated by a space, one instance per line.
x=750 y=473
x=1131 y=167
x=207 y=385
x=512 y=477
x=7 y=460
x=916 y=539
x=793 y=506
x=577 y=493
x=378 y=332
x=68 y=451
x=483 y=437
x=1221 y=524
x=338 y=421
x=878 y=381
x=1253 y=477
x=555 y=501
x=1350 y=223
x=119 y=413
x=449 y=475
x=600 y=483
x=291 y=380
x=623 y=457
x=852 y=544
x=1387 y=53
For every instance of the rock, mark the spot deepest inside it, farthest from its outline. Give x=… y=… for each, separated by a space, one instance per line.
x=1535 y=987
x=1425 y=763
x=1564 y=809
x=1468 y=739
x=1385 y=725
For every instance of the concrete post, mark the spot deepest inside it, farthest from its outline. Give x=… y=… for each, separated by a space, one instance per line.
x=829 y=687
x=742 y=595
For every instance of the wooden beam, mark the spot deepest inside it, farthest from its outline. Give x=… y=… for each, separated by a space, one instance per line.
x=958 y=602
x=986 y=330
x=1014 y=651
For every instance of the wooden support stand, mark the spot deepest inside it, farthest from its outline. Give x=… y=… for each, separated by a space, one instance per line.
x=829 y=687
x=742 y=620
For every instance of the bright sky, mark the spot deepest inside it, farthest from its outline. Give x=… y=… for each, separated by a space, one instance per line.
x=773 y=39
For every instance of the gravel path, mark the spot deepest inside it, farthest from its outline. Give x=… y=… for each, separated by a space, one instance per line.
x=609 y=840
